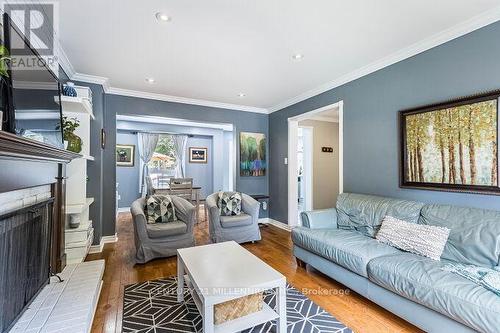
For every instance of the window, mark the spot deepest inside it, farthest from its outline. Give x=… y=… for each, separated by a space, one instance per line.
x=162 y=165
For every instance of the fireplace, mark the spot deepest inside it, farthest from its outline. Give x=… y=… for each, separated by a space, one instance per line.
x=32 y=192
x=25 y=240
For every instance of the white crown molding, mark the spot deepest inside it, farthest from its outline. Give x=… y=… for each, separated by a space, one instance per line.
x=184 y=100
x=447 y=35
x=444 y=36
x=173 y=121
x=65 y=63
x=103 y=81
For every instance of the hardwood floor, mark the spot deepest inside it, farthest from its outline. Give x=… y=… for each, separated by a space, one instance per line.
x=353 y=310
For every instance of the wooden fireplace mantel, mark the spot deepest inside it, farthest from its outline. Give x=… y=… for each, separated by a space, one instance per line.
x=26 y=163
x=18 y=147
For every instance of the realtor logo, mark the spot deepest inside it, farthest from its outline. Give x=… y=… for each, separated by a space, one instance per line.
x=38 y=23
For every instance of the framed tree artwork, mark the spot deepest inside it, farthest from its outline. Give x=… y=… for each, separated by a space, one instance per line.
x=451 y=146
x=253 y=154
x=125 y=155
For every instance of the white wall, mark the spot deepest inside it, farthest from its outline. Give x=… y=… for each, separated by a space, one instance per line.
x=325 y=165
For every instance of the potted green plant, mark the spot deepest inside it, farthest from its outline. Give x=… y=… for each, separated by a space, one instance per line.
x=72 y=142
x=4 y=61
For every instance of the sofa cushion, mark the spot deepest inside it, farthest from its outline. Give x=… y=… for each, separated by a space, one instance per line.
x=475 y=233
x=350 y=249
x=365 y=213
x=421 y=239
x=235 y=220
x=160 y=230
x=424 y=281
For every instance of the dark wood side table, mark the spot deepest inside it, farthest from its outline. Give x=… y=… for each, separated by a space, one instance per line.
x=260 y=197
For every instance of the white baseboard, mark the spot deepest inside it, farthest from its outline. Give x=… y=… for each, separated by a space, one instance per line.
x=96 y=248
x=123 y=209
x=277 y=224
x=104 y=239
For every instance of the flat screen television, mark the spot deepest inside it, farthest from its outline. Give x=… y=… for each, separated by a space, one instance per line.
x=30 y=95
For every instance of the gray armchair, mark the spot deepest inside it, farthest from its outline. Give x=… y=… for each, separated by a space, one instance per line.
x=239 y=228
x=162 y=239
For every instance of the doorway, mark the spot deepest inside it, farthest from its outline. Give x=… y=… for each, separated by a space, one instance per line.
x=305 y=168
x=310 y=168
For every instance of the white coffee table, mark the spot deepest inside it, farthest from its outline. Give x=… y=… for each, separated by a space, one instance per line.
x=218 y=273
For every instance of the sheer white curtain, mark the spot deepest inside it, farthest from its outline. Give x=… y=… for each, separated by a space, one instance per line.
x=147 y=144
x=180 y=141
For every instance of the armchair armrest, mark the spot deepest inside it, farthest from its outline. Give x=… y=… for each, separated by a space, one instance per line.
x=213 y=211
x=250 y=206
x=320 y=219
x=139 y=218
x=185 y=211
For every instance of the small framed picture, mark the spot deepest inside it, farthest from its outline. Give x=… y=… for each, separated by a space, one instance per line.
x=125 y=155
x=198 y=155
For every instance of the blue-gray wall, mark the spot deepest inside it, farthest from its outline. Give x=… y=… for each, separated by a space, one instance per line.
x=132 y=106
x=202 y=173
x=128 y=177
x=464 y=66
x=242 y=121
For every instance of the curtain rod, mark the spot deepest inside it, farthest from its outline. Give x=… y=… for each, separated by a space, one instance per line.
x=155 y=132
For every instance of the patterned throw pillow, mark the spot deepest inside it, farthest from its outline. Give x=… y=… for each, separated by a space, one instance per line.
x=424 y=240
x=229 y=203
x=160 y=209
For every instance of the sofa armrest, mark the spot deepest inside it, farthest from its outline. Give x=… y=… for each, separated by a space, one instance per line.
x=320 y=219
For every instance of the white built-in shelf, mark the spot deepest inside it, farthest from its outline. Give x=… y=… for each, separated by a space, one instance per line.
x=88 y=157
x=76 y=104
x=77 y=209
x=84 y=226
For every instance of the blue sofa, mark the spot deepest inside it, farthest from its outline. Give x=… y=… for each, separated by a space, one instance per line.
x=340 y=243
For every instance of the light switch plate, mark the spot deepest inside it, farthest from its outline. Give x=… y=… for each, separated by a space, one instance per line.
x=286 y=161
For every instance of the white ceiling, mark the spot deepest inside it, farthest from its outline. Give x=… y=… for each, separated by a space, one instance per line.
x=213 y=50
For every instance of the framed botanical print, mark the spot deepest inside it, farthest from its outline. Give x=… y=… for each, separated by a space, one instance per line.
x=125 y=155
x=198 y=155
x=451 y=146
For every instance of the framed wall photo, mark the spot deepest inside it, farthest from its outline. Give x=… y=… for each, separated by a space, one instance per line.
x=198 y=155
x=451 y=146
x=253 y=154
x=125 y=155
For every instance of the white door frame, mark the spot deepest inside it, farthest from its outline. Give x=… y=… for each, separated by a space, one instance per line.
x=293 y=126
x=308 y=165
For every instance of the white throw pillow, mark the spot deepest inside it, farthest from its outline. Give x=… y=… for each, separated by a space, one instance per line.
x=425 y=240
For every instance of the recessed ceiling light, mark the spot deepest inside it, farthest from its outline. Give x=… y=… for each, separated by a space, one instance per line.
x=241 y=95
x=150 y=80
x=297 y=56
x=162 y=17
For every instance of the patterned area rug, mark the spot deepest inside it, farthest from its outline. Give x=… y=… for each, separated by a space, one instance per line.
x=151 y=307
